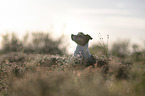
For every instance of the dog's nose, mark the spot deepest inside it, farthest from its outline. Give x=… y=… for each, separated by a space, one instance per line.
x=72 y=35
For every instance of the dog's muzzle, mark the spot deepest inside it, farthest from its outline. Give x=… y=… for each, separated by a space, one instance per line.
x=72 y=35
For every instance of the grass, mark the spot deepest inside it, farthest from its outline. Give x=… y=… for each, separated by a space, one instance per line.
x=48 y=75
x=28 y=72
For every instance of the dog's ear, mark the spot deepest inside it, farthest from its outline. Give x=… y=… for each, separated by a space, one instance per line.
x=89 y=37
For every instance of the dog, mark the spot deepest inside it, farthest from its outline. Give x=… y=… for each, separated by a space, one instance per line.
x=82 y=50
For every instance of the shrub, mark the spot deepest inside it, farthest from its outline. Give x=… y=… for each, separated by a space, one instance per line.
x=35 y=43
x=120 y=49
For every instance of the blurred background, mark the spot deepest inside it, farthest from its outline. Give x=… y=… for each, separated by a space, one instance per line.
x=44 y=26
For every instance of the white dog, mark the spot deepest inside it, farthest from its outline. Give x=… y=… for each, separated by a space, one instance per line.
x=82 y=48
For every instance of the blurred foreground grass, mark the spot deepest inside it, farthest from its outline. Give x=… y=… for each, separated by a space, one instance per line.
x=40 y=75
x=27 y=73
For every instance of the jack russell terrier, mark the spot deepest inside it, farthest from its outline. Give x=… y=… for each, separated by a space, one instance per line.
x=82 y=48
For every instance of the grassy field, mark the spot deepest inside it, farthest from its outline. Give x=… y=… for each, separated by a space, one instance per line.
x=48 y=75
x=34 y=69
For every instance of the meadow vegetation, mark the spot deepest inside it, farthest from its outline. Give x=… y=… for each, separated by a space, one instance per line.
x=37 y=66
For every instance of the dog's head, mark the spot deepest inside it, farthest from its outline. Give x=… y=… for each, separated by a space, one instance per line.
x=81 y=38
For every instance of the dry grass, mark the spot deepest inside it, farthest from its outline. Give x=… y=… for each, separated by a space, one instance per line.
x=47 y=75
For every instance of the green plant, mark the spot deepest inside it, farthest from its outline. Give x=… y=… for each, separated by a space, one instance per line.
x=103 y=46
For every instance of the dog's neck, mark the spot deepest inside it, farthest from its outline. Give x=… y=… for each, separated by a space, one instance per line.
x=82 y=51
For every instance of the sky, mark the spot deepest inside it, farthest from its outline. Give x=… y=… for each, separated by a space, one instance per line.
x=121 y=19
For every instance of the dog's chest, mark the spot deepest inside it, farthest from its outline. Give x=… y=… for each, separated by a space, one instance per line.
x=82 y=50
